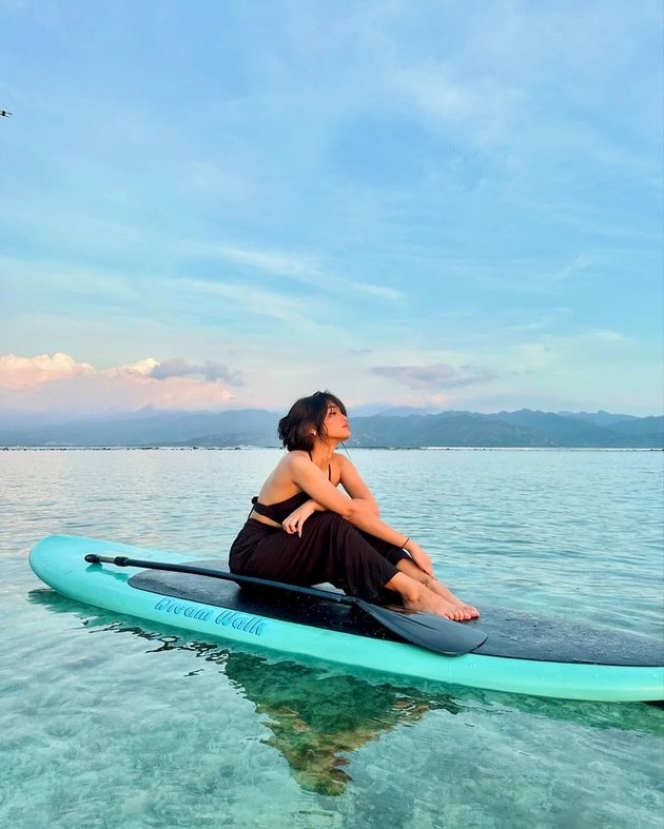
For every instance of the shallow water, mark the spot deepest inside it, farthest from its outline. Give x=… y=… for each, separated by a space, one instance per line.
x=108 y=723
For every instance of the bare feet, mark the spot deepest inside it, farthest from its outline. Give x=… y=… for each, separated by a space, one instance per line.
x=435 y=598
x=446 y=594
x=409 y=568
x=422 y=600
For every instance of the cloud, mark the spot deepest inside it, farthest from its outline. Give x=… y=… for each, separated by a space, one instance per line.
x=297 y=267
x=210 y=370
x=293 y=265
x=256 y=301
x=24 y=372
x=482 y=109
x=143 y=368
x=60 y=384
x=435 y=377
x=379 y=291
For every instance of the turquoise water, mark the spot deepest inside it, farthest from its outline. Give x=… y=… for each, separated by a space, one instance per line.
x=107 y=723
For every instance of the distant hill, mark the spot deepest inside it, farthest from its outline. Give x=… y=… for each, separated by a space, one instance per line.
x=256 y=427
x=243 y=427
x=524 y=428
x=561 y=430
x=600 y=418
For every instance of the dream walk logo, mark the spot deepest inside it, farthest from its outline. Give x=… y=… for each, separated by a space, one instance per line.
x=226 y=618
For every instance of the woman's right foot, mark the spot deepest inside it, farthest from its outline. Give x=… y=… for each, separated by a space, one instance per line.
x=446 y=594
x=425 y=601
x=421 y=599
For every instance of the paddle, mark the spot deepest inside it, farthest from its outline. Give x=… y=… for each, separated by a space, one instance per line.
x=423 y=629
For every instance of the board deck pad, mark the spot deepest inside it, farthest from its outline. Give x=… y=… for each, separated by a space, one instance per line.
x=511 y=634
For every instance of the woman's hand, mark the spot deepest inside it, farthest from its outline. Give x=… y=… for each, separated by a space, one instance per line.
x=295 y=521
x=420 y=558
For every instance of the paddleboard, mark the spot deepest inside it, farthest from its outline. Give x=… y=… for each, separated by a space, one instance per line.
x=522 y=653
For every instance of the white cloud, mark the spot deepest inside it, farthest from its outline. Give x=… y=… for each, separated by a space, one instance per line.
x=59 y=383
x=482 y=109
x=142 y=368
x=24 y=372
x=382 y=291
x=253 y=301
x=298 y=267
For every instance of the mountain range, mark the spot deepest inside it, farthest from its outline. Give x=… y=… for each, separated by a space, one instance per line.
x=391 y=429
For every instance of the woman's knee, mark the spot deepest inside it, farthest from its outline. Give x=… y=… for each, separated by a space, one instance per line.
x=329 y=521
x=338 y=527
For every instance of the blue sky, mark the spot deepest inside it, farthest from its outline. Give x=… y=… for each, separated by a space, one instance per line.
x=449 y=205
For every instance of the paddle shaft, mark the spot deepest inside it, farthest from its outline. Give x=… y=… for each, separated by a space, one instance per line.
x=422 y=629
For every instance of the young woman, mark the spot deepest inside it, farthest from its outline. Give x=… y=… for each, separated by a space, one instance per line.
x=303 y=530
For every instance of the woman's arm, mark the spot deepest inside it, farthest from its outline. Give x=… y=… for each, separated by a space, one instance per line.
x=294 y=522
x=352 y=482
x=314 y=482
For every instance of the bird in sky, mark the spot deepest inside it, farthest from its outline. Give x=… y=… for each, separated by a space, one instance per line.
x=4 y=113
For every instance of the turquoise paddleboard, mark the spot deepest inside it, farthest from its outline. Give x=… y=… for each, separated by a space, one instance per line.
x=503 y=651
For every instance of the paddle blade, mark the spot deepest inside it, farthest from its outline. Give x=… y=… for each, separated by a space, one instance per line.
x=426 y=630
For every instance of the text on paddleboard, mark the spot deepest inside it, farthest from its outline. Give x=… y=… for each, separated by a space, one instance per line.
x=226 y=618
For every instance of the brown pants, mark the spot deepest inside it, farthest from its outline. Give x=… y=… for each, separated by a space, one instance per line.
x=330 y=549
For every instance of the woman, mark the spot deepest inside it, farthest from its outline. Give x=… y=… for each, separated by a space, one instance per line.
x=303 y=530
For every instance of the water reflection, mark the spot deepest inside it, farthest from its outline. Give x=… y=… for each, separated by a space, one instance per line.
x=318 y=716
x=316 y=719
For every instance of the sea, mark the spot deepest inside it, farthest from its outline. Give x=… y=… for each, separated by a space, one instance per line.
x=107 y=722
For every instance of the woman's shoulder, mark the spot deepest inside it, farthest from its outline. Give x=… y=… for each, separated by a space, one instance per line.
x=294 y=458
x=340 y=461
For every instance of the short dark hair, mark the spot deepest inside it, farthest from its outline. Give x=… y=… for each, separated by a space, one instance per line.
x=307 y=415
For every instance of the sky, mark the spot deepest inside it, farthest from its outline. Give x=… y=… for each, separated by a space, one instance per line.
x=439 y=204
